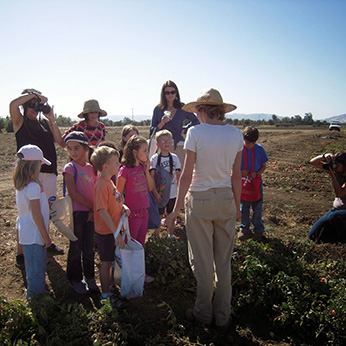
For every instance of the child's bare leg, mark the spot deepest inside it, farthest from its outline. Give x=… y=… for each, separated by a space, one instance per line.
x=106 y=276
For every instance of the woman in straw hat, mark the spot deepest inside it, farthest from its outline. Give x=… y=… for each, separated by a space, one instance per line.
x=211 y=186
x=94 y=129
x=169 y=115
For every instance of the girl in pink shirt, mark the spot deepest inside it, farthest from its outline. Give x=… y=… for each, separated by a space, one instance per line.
x=134 y=180
x=80 y=177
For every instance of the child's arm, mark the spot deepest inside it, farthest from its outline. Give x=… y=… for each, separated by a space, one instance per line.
x=119 y=241
x=38 y=219
x=154 y=191
x=178 y=172
x=121 y=181
x=260 y=171
x=75 y=196
x=150 y=180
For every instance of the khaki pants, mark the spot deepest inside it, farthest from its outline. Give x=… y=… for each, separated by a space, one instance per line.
x=210 y=225
x=180 y=152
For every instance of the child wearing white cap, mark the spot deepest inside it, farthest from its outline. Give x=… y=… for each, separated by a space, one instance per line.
x=33 y=216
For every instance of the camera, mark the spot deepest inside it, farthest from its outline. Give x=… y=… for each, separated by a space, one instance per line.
x=40 y=107
x=330 y=165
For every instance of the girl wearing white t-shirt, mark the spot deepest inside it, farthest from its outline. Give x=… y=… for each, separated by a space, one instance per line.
x=33 y=216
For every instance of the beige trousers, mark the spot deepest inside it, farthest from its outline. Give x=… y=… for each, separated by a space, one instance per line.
x=210 y=225
x=180 y=152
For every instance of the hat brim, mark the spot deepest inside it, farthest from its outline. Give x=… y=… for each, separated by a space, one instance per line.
x=46 y=162
x=191 y=106
x=101 y=111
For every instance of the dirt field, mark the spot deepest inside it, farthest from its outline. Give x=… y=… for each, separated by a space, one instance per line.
x=295 y=196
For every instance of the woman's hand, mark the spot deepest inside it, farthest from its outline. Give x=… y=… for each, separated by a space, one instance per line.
x=244 y=173
x=253 y=175
x=169 y=221
x=50 y=115
x=165 y=119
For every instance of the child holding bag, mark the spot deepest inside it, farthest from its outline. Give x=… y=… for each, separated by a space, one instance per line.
x=33 y=216
x=135 y=181
x=108 y=211
x=80 y=177
x=254 y=159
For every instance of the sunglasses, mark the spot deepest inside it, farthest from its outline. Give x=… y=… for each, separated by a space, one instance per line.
x=163 y=141
x=173 y=92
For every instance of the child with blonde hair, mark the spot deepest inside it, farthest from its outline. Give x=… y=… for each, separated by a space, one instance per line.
x=108 y=210
x=165 y=168
x=33 y=216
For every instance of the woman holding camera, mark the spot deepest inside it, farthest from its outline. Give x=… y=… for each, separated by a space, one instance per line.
x=169 y=115
x=331 y=227
x=30 y=128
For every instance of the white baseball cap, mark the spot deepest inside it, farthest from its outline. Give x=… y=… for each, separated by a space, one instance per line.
x=31 y=152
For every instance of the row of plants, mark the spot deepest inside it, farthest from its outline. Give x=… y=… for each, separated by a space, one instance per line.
x=281 y=292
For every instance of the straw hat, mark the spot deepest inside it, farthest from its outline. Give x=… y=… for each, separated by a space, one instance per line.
x=92 y=106
x=210 y=97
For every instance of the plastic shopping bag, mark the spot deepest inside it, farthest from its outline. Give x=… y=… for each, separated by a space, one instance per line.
x=61 y=214
x=129 y=266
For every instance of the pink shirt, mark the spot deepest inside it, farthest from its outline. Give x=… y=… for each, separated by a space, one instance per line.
x=85 y=182
x=136 y=187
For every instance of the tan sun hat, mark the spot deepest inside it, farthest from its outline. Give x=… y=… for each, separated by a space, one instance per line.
x=209 y=97
x=92 y=106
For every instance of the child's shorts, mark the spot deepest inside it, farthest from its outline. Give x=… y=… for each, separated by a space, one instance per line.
x=169 y=207
x=106 y=247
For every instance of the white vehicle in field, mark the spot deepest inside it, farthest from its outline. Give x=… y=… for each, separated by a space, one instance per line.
x=335 y=125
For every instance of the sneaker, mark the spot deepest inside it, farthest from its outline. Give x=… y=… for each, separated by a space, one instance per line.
x=148 y=279
x=244 y=236
x=79 y=287
x=92 y=286
x=20 y=261
x=55 y=249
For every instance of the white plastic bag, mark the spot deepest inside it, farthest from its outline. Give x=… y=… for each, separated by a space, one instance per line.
x=61 y=214
x=129 y=266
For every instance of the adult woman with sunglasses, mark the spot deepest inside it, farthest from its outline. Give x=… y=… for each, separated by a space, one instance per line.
x=331 y=227
x=31 y=128
x=169 y=115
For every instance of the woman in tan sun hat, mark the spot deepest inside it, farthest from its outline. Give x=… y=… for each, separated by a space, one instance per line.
x=94 y=129
x=210 y=184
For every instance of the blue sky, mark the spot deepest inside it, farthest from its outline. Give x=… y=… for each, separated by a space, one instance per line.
x=283 y=57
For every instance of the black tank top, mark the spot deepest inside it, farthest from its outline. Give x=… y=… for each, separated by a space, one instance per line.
x=37 y=132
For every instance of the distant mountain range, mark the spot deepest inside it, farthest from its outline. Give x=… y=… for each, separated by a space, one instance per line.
x=253 y=116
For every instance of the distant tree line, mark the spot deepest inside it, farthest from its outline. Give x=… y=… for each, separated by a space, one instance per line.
x=277 y=121
x=7 y=126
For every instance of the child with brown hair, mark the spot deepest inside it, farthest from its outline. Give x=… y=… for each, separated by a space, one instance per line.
x=254 y=161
